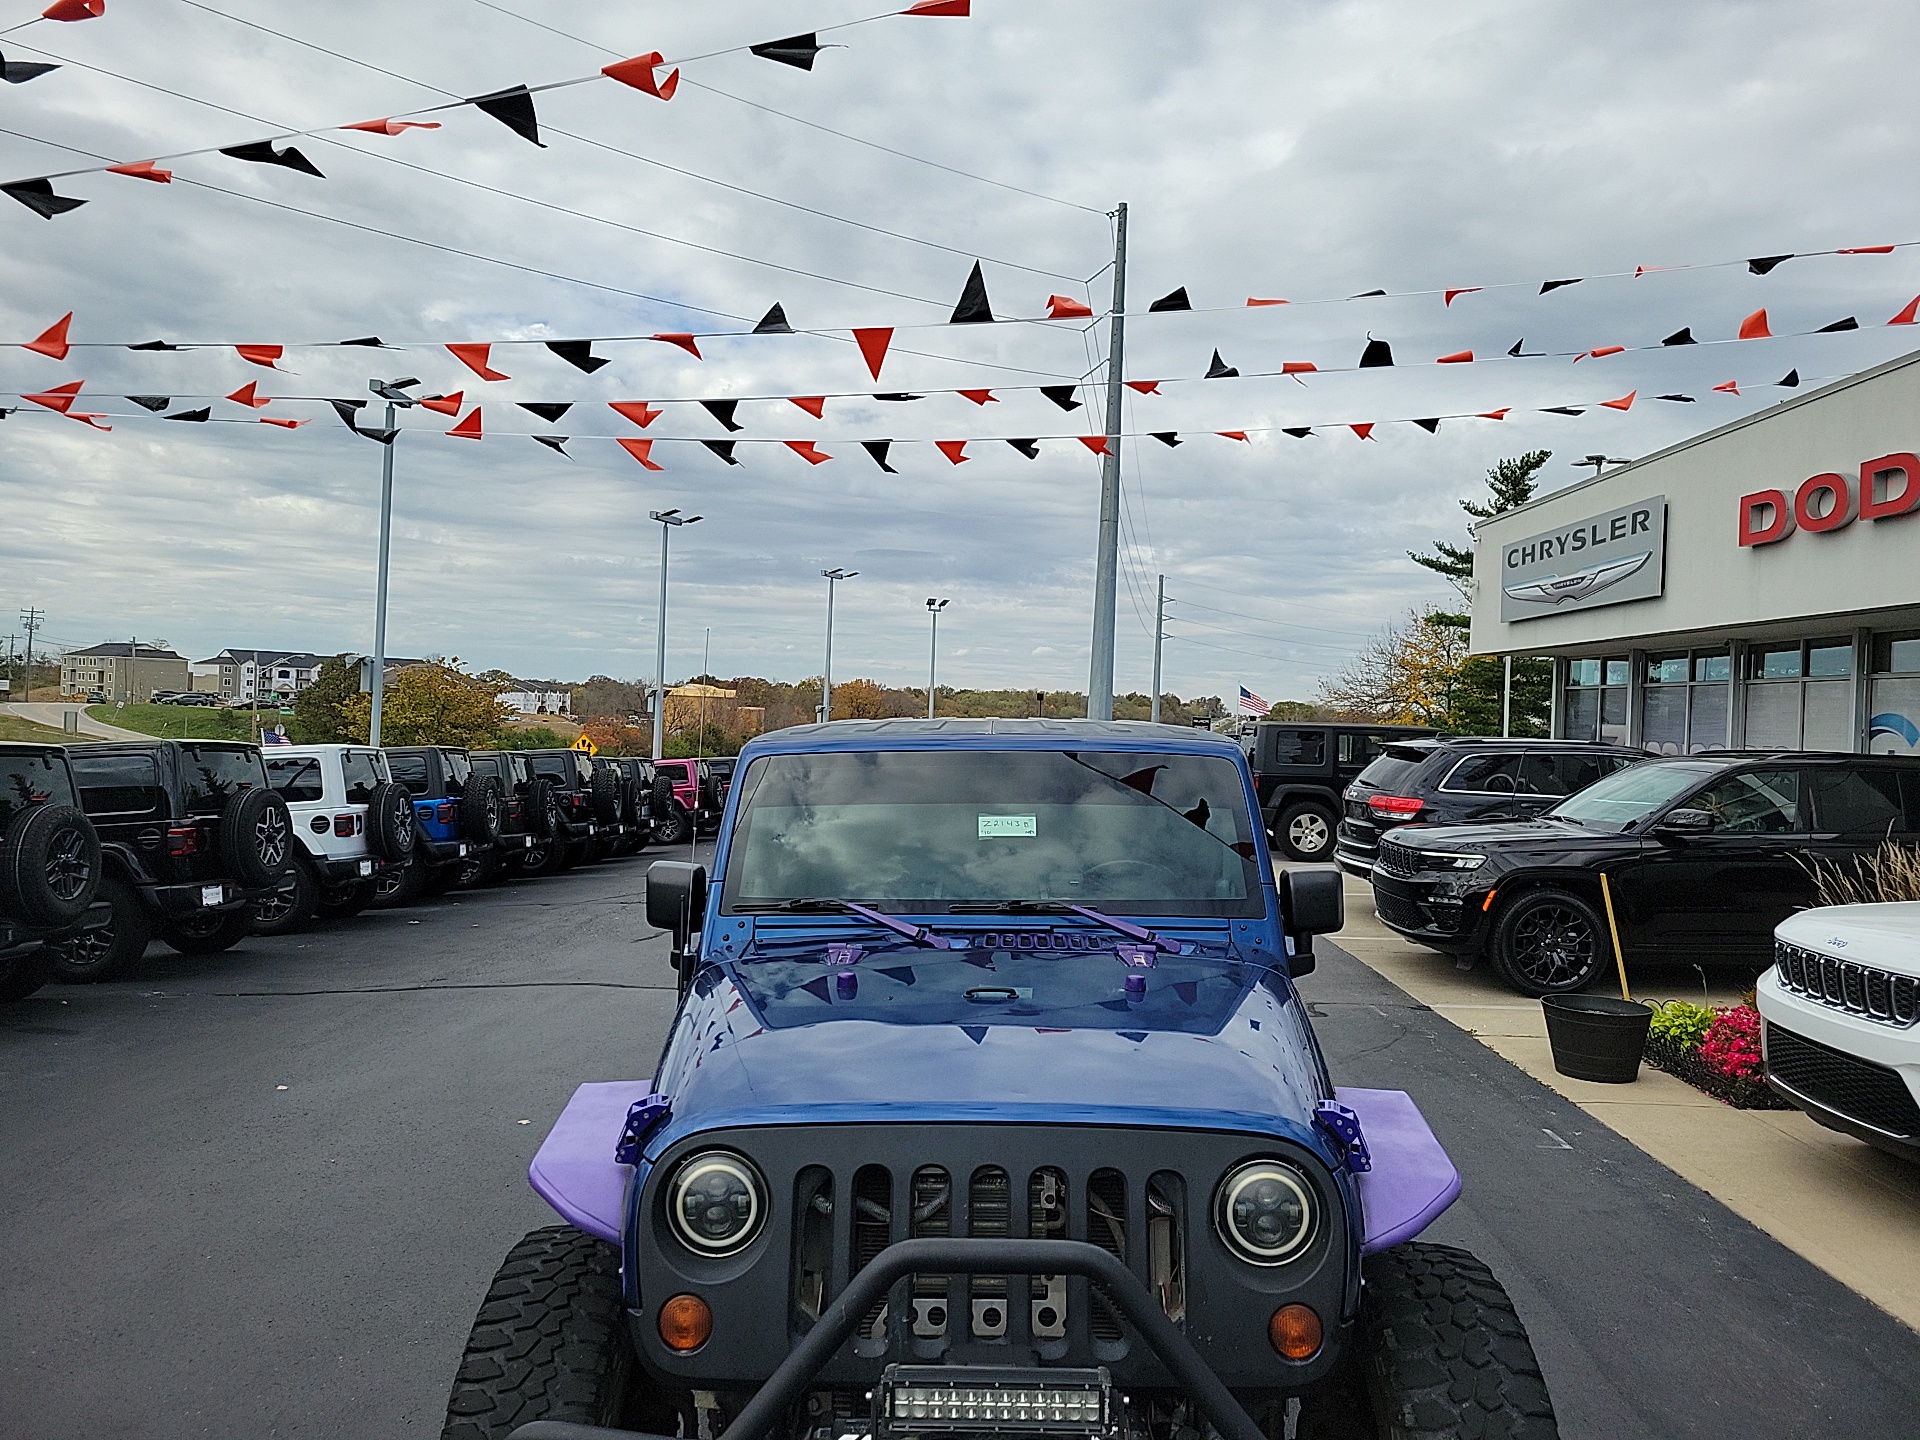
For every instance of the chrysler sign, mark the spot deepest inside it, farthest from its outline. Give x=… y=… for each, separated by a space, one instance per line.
x=1602 y=560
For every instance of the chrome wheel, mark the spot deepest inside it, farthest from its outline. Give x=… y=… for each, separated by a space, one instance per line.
x=270 y=837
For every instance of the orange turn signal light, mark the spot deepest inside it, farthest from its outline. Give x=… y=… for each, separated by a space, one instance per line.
x=686 y=1322
x=1295 y=1332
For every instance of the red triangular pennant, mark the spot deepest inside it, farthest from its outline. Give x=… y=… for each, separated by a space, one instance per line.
x=1456 y=293
x=807 y=451
x=954 y=450
x=445 y=404
x=263 y=355
x=1867 y=250
x=283 y=424
x=475 y=357
x=1732 y=387
x=1256 y=302
x=638 y=411
x=1059 y=307
x=391 y=127
x=74 y=10
x=1905 y=317
x=814 y=405
x=53 y=340
x=1500 y=414
x=873 y=347
x=248 y=395
x=682 y=339
x=641 y=450
x=1606 y=350
x=1458 y=357
x=1365 y=432
x=1625 y=402
x=638 y=72
x=980 y=397
x=1096 y=443
x=469 y=428
x=958 y=9
x=60 y=398
x=1298 y=367
x=143 y=170
x=1754 y=327
x=92 y=421
x=1144 y=387
x=1240 y=435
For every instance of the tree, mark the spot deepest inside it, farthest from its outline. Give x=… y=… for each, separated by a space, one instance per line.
x=433 y=704
x=615 y=737
x=859 y=700
x=321 y=713
x=1408 y=674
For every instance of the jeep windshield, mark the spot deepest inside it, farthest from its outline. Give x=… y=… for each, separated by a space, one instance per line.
x=1629 y=796
x=925 y=831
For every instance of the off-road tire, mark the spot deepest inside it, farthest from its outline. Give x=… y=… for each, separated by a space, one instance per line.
x=106 y=953
x=481 y=811
x=1306 y=832
x=290 y=907
x=209 y=932
x=398 y=886
x=1550 y=942
x=25 y=973
x=390 y=832
x=604 y=795
x=256 y=838
x=672 y=825
x=544 y=820
x=49 y=866
x=343 y=902
x=1445 y=1352
x=549 y=1343
x=637 y=814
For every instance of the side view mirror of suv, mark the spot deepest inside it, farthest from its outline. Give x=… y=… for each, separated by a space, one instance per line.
x=1683 y=823
x=676 y=897
x=1312 y=902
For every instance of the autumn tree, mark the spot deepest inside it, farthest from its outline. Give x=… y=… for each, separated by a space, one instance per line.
x=433 y=704
x=859 y=700
x=1406 y=675
x=321 y=713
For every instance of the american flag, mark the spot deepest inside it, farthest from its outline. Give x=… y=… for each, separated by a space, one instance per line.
x=1251 y=703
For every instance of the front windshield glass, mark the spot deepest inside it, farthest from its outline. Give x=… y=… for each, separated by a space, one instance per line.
x=1630 y=795
x=922 y=831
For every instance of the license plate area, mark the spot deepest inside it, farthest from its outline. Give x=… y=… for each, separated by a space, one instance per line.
x=933 y=1400
x=211 y=895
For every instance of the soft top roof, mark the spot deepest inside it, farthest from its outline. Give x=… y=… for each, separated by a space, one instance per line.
x=30 y=747
x=991 y=734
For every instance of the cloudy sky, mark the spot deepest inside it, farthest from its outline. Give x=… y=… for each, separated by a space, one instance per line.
x=1306 y=151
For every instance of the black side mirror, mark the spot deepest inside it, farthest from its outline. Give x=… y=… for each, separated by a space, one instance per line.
x=1312 y=902
x=1681 y=824
x=676 y=899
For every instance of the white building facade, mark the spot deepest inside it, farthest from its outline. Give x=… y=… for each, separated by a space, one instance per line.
x=1754 y=587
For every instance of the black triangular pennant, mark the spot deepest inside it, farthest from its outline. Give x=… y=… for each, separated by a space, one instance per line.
x=38 y=196
x=372 y=342
x=1220 y=370
x=556 y=443
x=1557 y=284
x=513 y=109
x=348 y=411
x=1432 y=427
x=197 y=417
x=379 y=437
x=1563 y=410
x=1377 y=355
x=1298 y=432
x=548 y=410
x=1028 y=448
x=878 y=450
x=577 y=353
x=261 y=152
x=796 y=50
x=153 y=345
x=1765 y=264
x=1169 y=438
x=18 y=72
x=722 y=410
x=1682 y=336
x=898 y=397
x=1847 y=324
x=973 y=308
x=1515 y=351
x=722 y=448
x=1174 y=300
x=155 y=403
x=1061 y=395
x=1677 y=399
x=1790 y=380
x=1367 y=295
x=774 y=322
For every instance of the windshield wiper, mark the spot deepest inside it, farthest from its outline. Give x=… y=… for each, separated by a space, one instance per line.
x=919 y=934
x=1062 y=907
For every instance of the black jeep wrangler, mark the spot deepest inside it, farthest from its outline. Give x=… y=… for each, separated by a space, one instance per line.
x=572 y=782
x=49 y=865
x=621 y=808
x=191 y=835
x=1301 y=772
x=456 y=815
x=522 y=815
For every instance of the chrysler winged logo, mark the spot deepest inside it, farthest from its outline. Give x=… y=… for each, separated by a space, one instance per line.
x=1553 y=589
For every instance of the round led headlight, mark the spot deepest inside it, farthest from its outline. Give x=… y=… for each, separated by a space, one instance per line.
x=717 y=1203
x=1265 y=1212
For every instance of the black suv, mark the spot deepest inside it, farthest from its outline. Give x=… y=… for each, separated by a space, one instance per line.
x=191 y=835
x=580 y=791
x=49 y=865
x=1701 y=855
x=520 y=815
x=1465 y=781
x=1300 y=770
x=633 y=788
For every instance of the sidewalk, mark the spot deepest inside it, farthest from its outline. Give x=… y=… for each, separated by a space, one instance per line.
x=1842 y=1205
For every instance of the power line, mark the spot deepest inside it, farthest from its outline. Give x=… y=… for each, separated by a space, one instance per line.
x=1287 y=624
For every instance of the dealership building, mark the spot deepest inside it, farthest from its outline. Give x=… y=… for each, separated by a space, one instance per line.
x=1754 y=587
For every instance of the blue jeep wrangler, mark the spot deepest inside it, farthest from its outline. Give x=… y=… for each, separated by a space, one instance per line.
x=990 y=1108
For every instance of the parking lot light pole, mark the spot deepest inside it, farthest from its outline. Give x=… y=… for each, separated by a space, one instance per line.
x=934 y=607
x=669 y=521
x=394 y=392
x=832 y=577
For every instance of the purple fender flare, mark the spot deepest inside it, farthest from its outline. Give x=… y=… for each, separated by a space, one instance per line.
x=1411 y=1181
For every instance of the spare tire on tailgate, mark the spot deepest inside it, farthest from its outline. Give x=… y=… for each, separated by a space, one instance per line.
x=390 y=822
x=606 y=795
x=480 y=811
x=256 y=837
x=49 y=866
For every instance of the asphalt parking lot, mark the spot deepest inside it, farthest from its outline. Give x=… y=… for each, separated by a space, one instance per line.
x=261 y=1195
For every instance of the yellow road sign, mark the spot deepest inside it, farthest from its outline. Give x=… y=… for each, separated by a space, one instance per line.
x=586 y=744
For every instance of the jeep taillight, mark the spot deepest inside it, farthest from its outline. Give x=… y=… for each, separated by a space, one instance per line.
x=443 y=812
x=183 y=840
x=343 y=826
x=1395 y=807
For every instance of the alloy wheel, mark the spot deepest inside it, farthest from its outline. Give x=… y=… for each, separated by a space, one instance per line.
x=270 y=836
x=279 y=902
x=1553 y=946
x=68 y=870
x=1308 y=832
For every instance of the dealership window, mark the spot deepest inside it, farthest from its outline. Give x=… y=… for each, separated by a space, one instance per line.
x=1683 y=706
x=1596 y=698
x=1800 y=696
x=1893 y=724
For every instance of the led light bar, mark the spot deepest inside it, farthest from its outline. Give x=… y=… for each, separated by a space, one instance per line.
x=963 y=1399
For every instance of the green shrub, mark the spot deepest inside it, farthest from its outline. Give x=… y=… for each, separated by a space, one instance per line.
x=1681 y=1024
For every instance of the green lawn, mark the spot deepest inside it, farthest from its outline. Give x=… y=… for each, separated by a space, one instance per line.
x=183 y=722
x=12 y=727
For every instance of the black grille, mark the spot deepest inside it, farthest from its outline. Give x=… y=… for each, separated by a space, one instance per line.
x=1396 y=859
x=1858 y=1089
x=1396 y=911
x=1843 y=985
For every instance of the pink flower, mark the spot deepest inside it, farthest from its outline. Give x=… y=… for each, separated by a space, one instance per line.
x=1732 y=1044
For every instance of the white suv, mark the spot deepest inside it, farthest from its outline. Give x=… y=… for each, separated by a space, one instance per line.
x=354 y=822
x=1840 y=1020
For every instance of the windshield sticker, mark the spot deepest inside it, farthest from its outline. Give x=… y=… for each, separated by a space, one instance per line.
x=996 y=827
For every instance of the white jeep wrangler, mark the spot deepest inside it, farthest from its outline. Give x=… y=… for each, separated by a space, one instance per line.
x=353 y=821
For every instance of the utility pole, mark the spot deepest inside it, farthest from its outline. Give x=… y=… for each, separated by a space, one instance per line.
x=934 y=607
x=1107 y=563
x=1159 y=635
x=31 y=618
x=833 y=577
x=394 y=393
x=1506 y=701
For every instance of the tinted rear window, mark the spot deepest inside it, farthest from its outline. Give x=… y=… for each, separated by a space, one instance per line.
x=410 y=771
x=213 y=776
x=1390 y=772
x=554 y=767
x=296 y=777
x=27 y=780
x=361 y=771
x=1484 y=775
x=1294 y=747
x=1862 y=802
x=117 y=784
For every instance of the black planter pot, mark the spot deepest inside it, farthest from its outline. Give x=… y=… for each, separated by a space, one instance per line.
x=1596 y=1037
